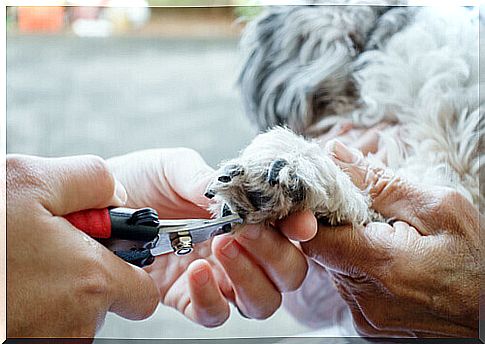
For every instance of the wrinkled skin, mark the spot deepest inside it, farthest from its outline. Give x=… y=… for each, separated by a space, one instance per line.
x=417 y=277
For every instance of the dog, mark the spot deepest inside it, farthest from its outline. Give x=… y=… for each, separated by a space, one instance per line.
x=308 y=68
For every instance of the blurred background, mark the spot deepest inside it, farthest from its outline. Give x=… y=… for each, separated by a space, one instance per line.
x=110 y=80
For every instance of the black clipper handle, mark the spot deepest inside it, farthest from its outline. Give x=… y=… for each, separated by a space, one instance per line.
x=136 y=256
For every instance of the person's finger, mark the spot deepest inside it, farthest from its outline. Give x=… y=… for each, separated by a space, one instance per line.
x=369 y=141
x=282 y=261
x=208 y=306
x=355 y=250
x=299 y=226
x=173 y=181
x=256 y=296
x=403 y=235
x=134 y=294
x=381 y=155
x=81 y=182
x=336 y=131
x=187 y=173
x=392 y=196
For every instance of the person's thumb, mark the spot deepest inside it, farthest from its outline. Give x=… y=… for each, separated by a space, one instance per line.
x=187 y=174
x=170 y=180
x=77 y=183
x=352 y=250
x=391 y=196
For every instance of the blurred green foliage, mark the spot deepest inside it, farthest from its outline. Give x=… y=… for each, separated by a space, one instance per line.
x=190 y=2
x=243 y=9
x=10 y=19
x=247 y=12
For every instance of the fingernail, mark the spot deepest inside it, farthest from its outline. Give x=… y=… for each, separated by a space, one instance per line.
x=120 y=192
x=201 y=276
x=344 y=127
x=230 y=250
x=343 y=153
x=251 y=232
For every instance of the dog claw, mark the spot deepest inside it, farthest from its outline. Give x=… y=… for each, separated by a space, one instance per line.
x=274 y=171
x=209 y=194
x=225 y=210
x=224 y=179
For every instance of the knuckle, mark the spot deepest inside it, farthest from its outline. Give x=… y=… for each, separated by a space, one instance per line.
x=94 y=278
x=25 y=176
x=94 y=283
x=22 y=171
x=99 y=167
x=100 y=171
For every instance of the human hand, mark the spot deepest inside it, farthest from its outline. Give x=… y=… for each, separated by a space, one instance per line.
x=365 y=140
x=418 y=277
x=310 y=304
x=60 y=282
x=250 y=268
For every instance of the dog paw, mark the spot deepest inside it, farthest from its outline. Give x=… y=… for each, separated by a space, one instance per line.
x=258 y=190
x=281 y=172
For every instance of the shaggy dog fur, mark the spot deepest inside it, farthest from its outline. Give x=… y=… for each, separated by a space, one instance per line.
x=310 y=67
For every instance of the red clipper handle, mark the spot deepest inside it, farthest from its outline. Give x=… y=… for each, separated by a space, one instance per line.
x=94 y=222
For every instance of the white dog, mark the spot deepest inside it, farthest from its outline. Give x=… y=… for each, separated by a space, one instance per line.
x=309 y=67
